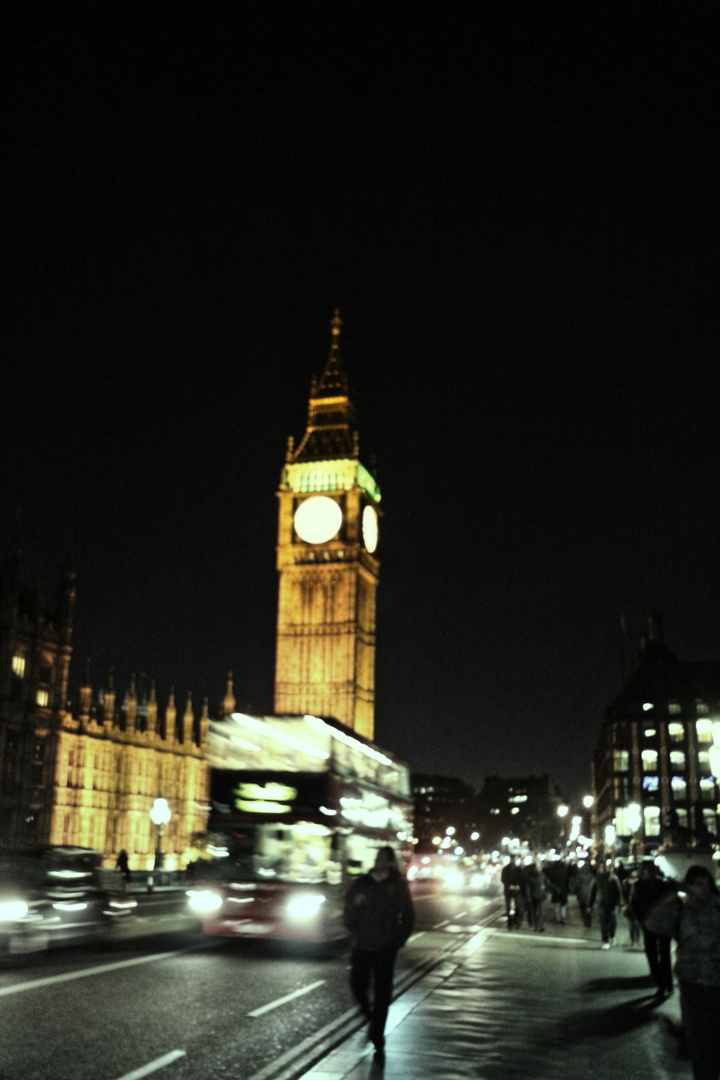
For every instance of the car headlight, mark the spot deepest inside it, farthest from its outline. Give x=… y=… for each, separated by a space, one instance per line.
x=453 y=879
x=204 y=901
x=305 y=906
x=12 y=909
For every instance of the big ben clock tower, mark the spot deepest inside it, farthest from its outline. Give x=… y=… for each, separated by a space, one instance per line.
x=327 y=561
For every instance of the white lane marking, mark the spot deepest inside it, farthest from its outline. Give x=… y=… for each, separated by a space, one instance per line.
x=288 y=997
x=438 y=925
x=153 y=1066
x=51 y=980
x=294 y=1054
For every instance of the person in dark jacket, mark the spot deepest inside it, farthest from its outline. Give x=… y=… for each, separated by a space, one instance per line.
x=558 y=874
x=606 y=890
x=513 y=883
x=583 y=881
x=698 y=971
x=122 y=864
x=537 y=888
x=647 y=890
x=379 y=914
x=628 y=884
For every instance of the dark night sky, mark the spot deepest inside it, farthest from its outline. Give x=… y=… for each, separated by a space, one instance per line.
x=514 y=207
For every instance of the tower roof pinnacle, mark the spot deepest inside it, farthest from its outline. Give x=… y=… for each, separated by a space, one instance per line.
x=333 y=381
x=331 y=426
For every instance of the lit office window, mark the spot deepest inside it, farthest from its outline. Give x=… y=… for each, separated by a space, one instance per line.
x=651 y=783
x=676 y=732
x=702 y=708
x=625 y=822
x=704 y=730
x=707 y=789
x=649 y=732
x=674 y=708
x=650 y=760
x=652 y=820
x=677 y=759
x=710 y=821
x=42 y=697
x=704 y=762
x=18 y=665
x=679 y=787
x=621 y=760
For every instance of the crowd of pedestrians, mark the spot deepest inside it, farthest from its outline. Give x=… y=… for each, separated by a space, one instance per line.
x=530 y=883
x=379 y=913
x=658 y=911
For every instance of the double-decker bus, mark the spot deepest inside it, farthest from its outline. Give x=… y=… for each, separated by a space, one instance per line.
x=298 y=806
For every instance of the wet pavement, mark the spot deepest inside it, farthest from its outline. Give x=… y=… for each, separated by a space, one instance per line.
x=515 y=1005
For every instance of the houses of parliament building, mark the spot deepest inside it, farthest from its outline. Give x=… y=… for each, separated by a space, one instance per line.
x=87 y=771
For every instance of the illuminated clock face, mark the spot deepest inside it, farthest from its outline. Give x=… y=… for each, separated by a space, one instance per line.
x=370 y=528
x=317 y=519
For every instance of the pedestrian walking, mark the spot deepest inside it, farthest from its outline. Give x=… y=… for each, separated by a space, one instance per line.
x=583 y=880
x=649 y=893
x=537 y=889
x=379 y=914
x=123 y=865
x=698 y=971
x=634 y=926
x=558 y=874
x=513 y=883
x=607 y=892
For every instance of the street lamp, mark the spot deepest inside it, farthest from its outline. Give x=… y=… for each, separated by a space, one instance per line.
x=159 y=815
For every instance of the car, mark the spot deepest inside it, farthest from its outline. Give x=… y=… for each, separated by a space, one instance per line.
x=53 y=895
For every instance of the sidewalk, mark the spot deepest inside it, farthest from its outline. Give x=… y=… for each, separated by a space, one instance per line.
x=519 y=1005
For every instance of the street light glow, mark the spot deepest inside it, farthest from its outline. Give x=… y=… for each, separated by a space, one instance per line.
x=159 y=815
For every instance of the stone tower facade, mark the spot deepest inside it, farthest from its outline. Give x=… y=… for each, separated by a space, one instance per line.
x=327 y=562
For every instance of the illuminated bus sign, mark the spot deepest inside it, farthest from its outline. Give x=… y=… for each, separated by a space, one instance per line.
x=271 y=798
x=238 y=793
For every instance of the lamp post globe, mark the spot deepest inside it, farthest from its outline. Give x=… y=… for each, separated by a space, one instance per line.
x=159 y=815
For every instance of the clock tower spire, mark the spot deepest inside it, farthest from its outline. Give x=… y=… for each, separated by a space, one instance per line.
x=327 y=562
